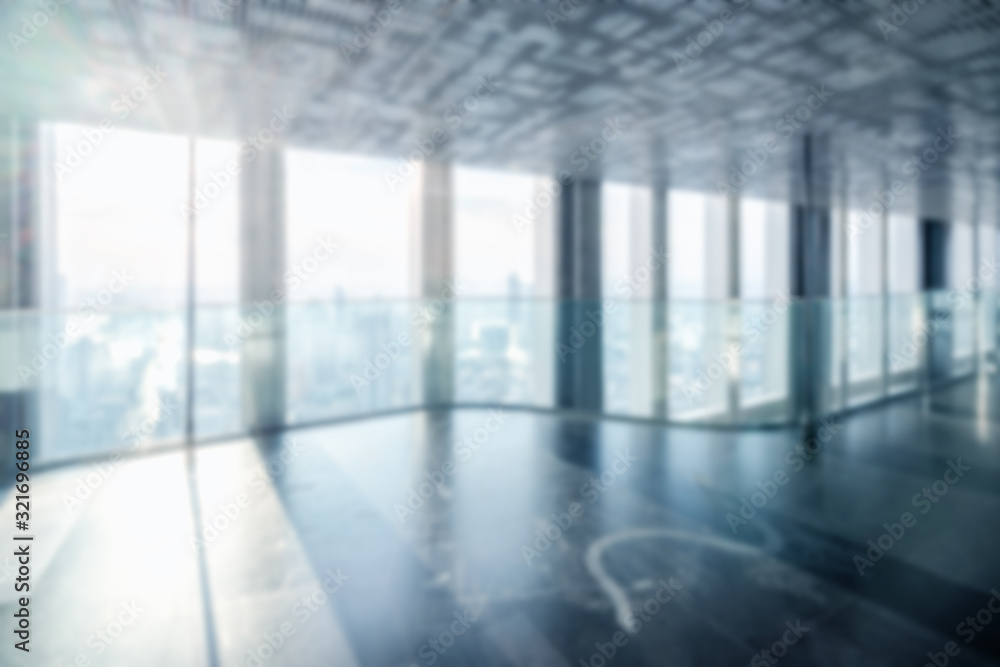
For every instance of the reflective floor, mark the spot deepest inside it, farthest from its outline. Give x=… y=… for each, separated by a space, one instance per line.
x=472 y=537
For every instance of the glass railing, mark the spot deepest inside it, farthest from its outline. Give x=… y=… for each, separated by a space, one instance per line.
x=118 y=379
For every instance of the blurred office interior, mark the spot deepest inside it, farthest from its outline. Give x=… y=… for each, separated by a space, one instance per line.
x=358 y=318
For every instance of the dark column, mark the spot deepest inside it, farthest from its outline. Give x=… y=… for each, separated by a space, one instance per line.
x=579 y=372
x=935 y=239
x=936 y=197
x=19 y=150
x=733 y=308
x=19 y=280
x=810 y=279
x=935 y=242
x=660 y=353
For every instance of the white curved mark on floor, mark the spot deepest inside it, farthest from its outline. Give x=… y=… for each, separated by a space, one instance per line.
x=619 y=598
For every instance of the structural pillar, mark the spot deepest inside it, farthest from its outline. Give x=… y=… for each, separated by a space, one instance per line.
x=262 y=288
x=733 y=305
x=936 y=211
x=884 y=289
x=579 y=354
x=809 y=279
x=935 y=249
x=434 y=268
x=19 y=284
x=660 y=356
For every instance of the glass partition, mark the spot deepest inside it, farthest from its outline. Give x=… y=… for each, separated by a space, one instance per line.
x=501 y=351
x=99 y=382
x=116 y=380
x=351 y=358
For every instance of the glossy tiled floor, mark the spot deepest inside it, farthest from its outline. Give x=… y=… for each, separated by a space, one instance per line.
x=430 y=553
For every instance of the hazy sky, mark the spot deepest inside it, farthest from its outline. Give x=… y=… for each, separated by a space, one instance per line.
x=119 y=210
x=347 y=198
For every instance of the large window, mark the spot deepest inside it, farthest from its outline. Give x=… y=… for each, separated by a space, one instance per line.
x=764 y=266
x=501 y=222
x=764 y=248
x=903 y=254
x=494 y=256
x=346 y=304
x=345 y=199
x=863 y=307
x=626 y=241
x=963 y=268
x=905 y=304
x=687 y=218
x=629 y=267
x=988 y=326
x=698 y=317
x=217 y=278
x=117 y=212
x=118 y=259
x=217 y=245
x=864 y=257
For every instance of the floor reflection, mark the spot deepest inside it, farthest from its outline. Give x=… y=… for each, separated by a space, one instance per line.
x=507 y=538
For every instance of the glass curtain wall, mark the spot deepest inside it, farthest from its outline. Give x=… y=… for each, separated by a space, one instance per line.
x=502 y=325
x=629 y=266
x=765 y=308
x=216 y=293
x=863 y=306
x=114 y=292
x=347 y=278
x=698 y=382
